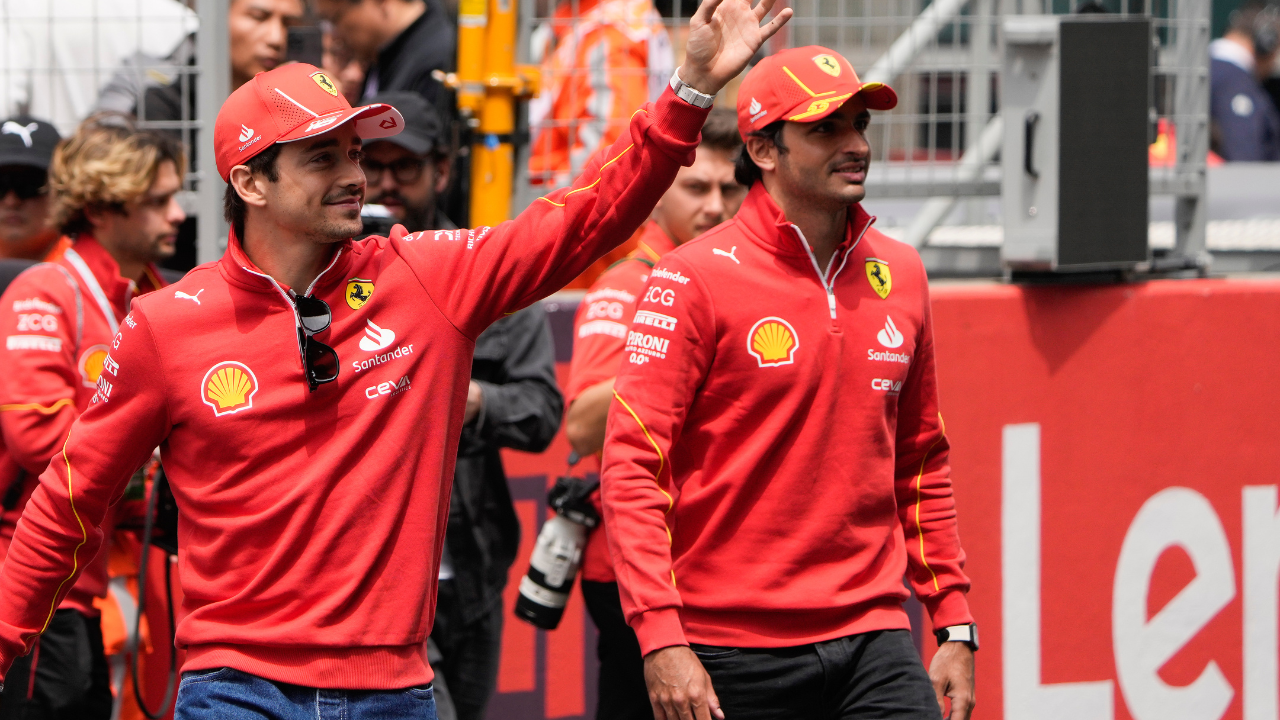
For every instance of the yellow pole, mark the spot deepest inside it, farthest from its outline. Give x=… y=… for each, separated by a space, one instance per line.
x=493 y=156
x=469 y=80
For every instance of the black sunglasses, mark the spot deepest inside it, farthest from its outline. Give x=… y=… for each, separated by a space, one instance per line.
x=319 y=360
x=27 y=182
x=405 y=170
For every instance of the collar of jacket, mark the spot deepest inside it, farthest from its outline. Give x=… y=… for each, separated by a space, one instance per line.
x=762 y=219
x=653 y=243
x=119 y=290
x=240 y=271
x=390 y=53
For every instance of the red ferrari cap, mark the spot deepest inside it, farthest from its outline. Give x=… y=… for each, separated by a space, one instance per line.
x=290 y=103
x=803 y=84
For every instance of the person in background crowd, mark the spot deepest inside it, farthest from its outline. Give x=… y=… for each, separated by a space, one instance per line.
x=113 y=194
x=775 y=463
x=401 y=42
x=342 y=65
x=512 y=401
x=1245 y=121
x=406 y=173
x=703 y=195
x=596 y=67
x=259 y=34
x=26 y=146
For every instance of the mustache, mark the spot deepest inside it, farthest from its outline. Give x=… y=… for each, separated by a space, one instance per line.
x=344 y=194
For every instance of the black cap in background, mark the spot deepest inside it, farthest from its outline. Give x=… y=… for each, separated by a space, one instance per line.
x=25 y=141
x=423 y=130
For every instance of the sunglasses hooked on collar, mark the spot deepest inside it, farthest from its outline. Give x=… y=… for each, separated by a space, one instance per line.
x=319 y=361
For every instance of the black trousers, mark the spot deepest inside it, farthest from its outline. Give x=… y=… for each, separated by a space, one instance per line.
x=868 y=676
x=72 y=681
x=467 y=671
x=621 y=690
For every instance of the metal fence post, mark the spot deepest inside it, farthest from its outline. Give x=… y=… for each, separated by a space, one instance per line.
x=213 y=85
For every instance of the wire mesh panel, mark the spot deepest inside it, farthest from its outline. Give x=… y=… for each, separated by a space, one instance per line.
x=64 y=60
x=943 y=58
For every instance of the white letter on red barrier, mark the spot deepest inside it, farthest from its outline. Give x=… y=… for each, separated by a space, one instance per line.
x=1172 y=517
x=1261 y=577
x=1025 y=697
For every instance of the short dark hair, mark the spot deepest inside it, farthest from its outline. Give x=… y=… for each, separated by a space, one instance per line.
x=745 y=170
x=233 y=206
x=720 y=131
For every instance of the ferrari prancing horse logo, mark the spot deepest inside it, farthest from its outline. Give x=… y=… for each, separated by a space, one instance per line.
x=827 y=64
x=358 y=292
x=879 y=277
x=325 y=83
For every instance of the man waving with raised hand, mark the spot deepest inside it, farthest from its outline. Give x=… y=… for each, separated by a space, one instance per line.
x=307 y=394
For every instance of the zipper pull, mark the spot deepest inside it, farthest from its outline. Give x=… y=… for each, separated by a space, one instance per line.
x=831 y=302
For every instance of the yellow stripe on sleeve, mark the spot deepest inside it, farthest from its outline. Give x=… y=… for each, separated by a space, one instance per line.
x=42 y=409
x=919 y=479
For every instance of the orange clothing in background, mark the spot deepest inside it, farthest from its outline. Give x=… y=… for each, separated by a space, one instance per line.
x=597 y=69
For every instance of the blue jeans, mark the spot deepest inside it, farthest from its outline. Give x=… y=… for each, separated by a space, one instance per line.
x=228 y=694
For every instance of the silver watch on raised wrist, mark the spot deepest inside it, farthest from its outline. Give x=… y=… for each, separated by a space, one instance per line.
x=688 y=94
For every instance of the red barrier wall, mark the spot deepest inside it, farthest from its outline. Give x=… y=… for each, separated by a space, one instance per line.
x=1115 y=458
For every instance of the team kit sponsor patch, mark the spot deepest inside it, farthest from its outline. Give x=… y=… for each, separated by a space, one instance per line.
x=36 y=305
x=656 y=320
x=602 y=327
x=228 y=388
x=33 y=342
x=773 y=342
x=91 y=364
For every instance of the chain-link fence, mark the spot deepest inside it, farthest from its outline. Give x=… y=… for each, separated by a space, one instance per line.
x=936 y=156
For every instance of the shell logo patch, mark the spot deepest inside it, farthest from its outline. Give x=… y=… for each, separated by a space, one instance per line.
x=228 y=388
x=827 y=64
x=359 y=291
x=879 y=277
x=772 y=342
x=91 y=362
x=325 y=83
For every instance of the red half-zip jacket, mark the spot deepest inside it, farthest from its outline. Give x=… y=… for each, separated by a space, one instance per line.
x=311 y=522
x=58 y=338
x=599 y=334
x=775 y=460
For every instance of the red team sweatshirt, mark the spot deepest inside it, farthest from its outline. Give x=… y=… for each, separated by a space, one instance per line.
x=775 y=461
x=54 y=352
x=312 y=522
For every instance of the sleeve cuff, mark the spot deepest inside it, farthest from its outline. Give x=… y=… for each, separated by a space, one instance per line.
x=658 y=628
x=948 y=608
x=680 y=122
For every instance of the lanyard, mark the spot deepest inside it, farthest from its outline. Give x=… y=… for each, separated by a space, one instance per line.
x=95 y=289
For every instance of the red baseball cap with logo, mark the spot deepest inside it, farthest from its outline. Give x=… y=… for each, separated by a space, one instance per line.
x=804 y=84
x=290 y=103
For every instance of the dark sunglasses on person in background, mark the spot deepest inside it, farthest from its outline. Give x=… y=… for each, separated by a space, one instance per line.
x=405 y=171
x=319 y=361
x=27 y=182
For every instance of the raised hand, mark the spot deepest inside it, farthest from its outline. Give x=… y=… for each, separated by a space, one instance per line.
x=723 y=36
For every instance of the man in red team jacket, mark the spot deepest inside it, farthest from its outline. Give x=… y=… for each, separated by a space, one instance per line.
x=775 y=460
x=307 y=394
x=114 y=194
x=702 y=196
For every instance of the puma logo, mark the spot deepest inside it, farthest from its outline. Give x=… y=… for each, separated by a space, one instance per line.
x=730 y=254
x=183 y=296
x=22 y=131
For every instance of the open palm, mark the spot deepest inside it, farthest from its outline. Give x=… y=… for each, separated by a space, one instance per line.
x=723 y=36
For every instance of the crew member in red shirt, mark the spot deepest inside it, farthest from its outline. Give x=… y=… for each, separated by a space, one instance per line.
x=307 y=393
x=775 y=461
x=702 y=196
x=114 y=195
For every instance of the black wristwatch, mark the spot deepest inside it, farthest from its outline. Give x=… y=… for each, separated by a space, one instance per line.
x=967 y=634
